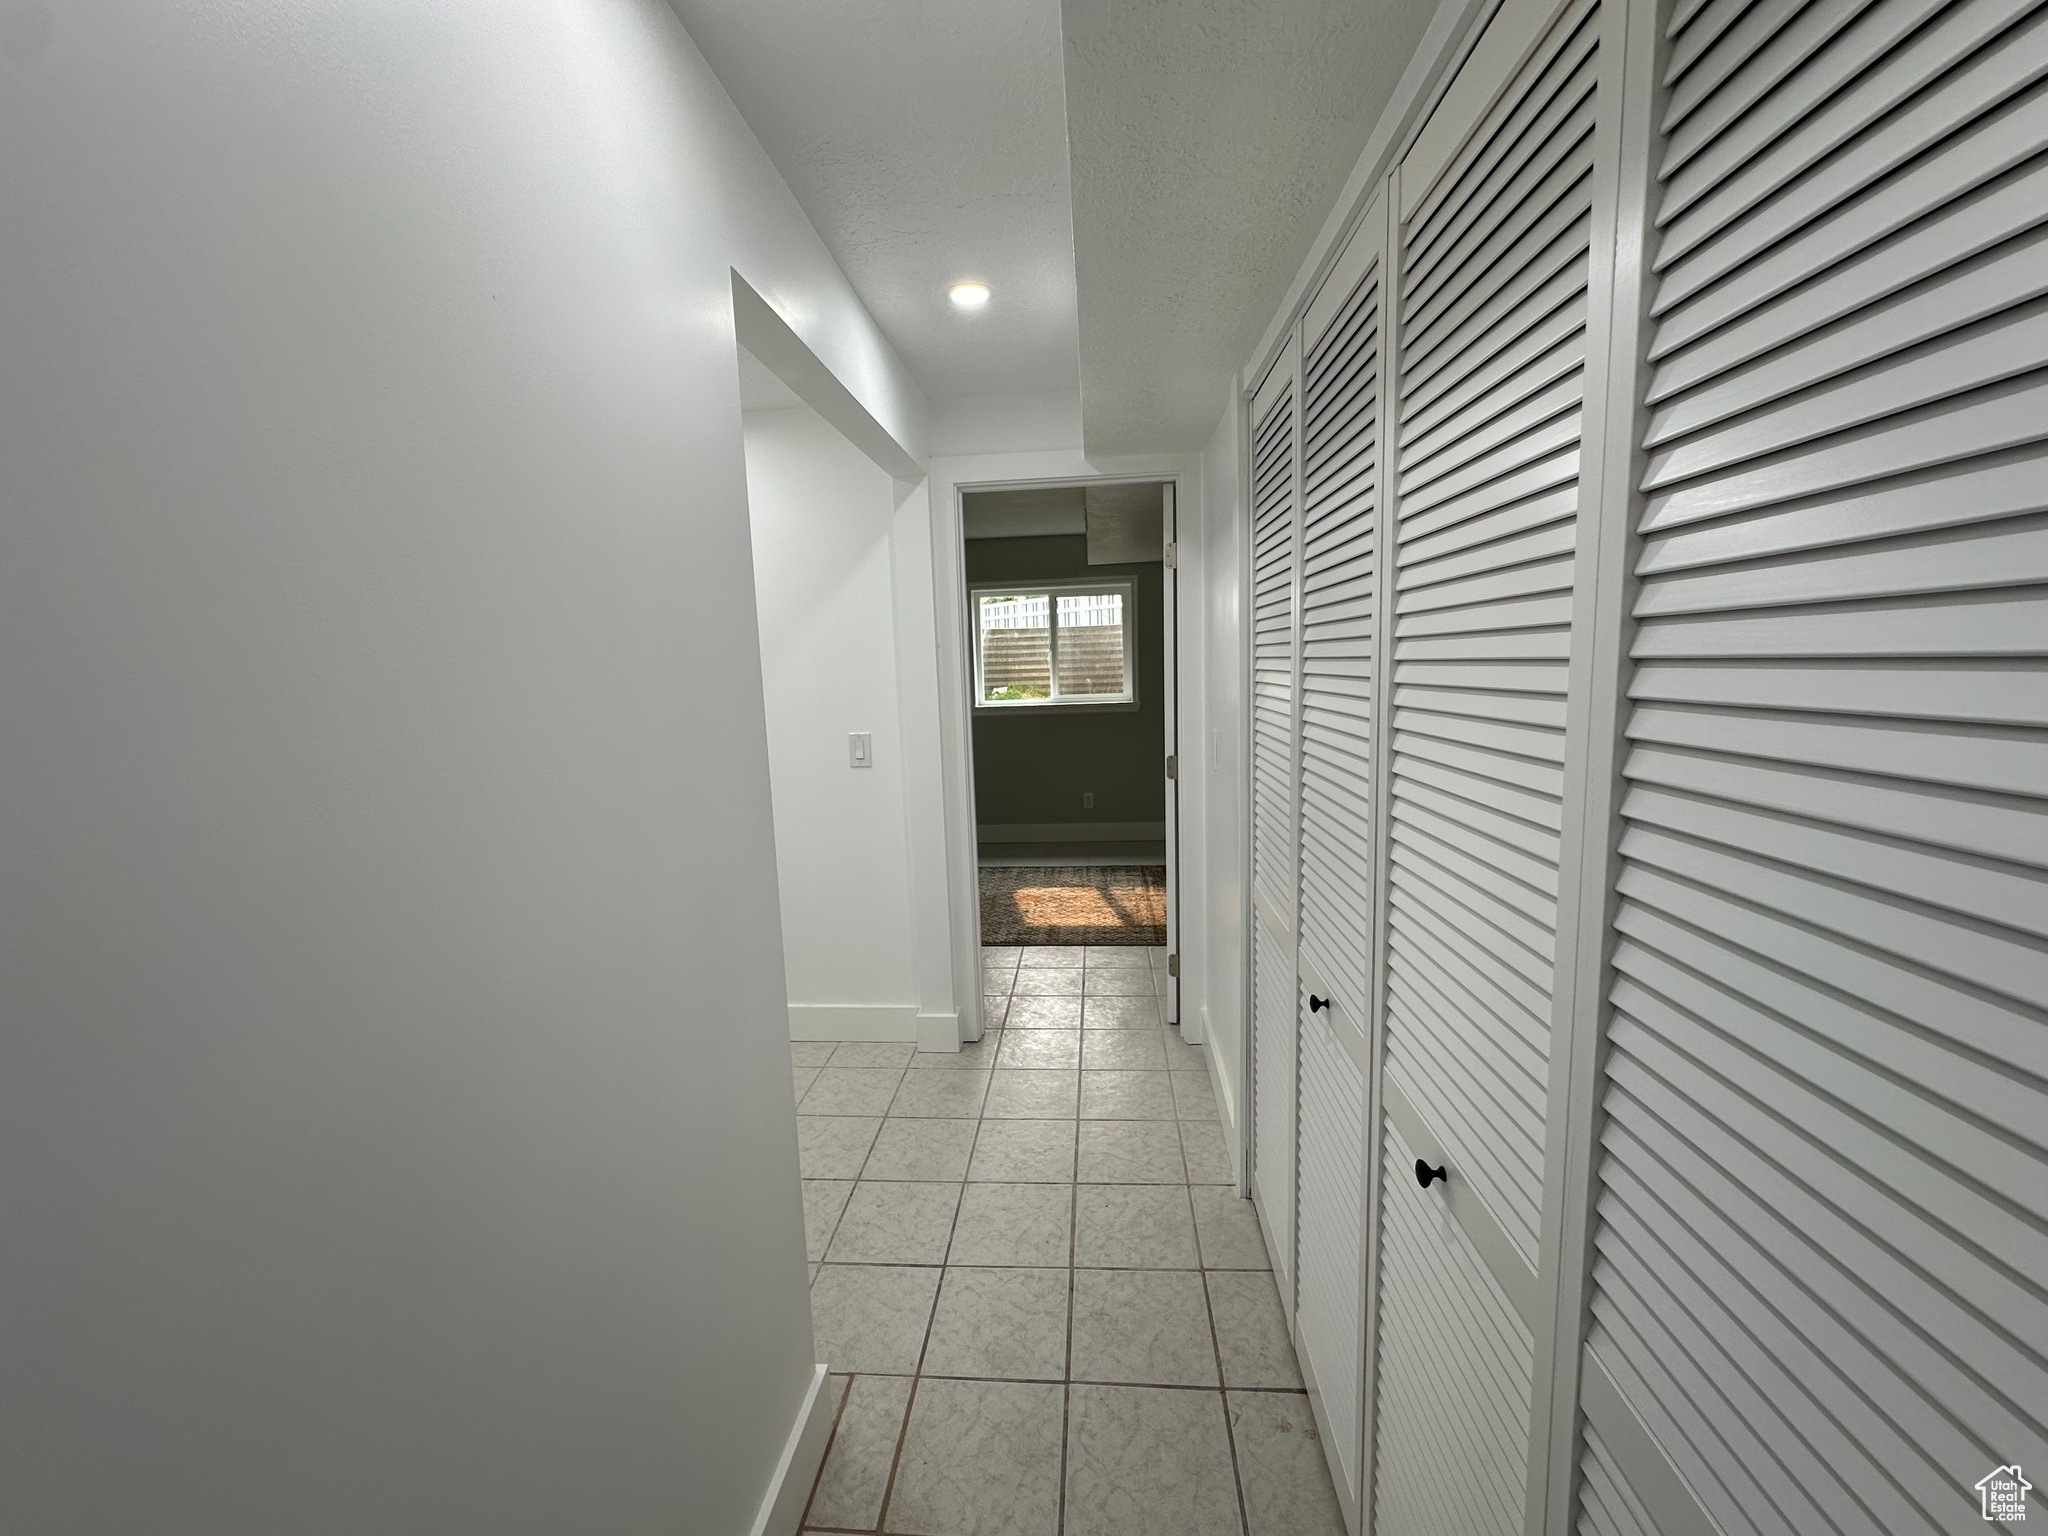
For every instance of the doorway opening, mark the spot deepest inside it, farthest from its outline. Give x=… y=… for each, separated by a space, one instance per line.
x=1070 y=596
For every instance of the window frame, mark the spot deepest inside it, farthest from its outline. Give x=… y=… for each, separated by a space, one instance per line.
x=1053 y=592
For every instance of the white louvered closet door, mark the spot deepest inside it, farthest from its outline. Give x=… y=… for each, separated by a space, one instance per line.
x=1821 y=1276
x=1275 y=557
x=1494 y=274
x=1340 y=402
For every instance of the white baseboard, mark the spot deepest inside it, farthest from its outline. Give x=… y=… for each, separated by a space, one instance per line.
x=938 y=1031
x=1225 y=1086
x=789 y=1490
x=1070 y=832
x=854 y=1021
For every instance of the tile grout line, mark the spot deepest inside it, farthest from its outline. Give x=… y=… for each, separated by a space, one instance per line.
x=1115 y=1269
x=838 y=1418
x=1222 y=1379
x=1091 y=1381
x=902 y=1434
x=1073 y=1256
x=931 y=1320
x=1067 y=1381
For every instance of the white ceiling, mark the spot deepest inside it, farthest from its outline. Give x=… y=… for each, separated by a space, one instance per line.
x=1023 y=514
x=1122 y=521
x=1125 y=524
x=930 y=143
x=927 y=142
x=1210 y=139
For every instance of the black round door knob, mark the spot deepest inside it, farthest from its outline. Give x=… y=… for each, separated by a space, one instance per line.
x=1317 y=1004
x=1426 y=1175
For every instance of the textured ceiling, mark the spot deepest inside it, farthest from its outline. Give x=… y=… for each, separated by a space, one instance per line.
x=930 y=143
x=1024 y=514
x=1123 y=522
x=927 y=143
x=1209 y=140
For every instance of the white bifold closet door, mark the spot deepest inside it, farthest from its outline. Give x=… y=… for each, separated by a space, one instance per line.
x=1276 y=561
x=1492 y=238
x=1340 y=404
x=1820 y=1271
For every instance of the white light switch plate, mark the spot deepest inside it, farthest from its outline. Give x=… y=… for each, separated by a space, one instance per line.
x=860 y=749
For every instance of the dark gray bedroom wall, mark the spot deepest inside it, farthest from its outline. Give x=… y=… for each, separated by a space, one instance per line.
x=1033 y=767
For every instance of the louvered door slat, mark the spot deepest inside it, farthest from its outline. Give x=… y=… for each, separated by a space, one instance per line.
x=2006 y=206
x=2004 y=278
x=1819 y=1225
x=1988 y=352
x=1753 y=57
x=1489 y=268
x=1608 y=1505
x=1703 y=60
x=1504 y=195
x=1488 y=139
x=1982 y=422
x=1966 y=121
x=1530 y=285
x=1712 y=146
x=1715 y=18
x=1535 y=392
x=1511 y=996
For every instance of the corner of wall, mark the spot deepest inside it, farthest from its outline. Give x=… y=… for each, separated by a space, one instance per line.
x=938 y=1031
x=921 y=682
x=1228 y=1097
x=789 y=1490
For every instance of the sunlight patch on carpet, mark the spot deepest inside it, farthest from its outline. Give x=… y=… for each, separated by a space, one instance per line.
x=1074 y=905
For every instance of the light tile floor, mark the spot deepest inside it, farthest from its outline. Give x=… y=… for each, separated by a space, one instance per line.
x=1046 y=1310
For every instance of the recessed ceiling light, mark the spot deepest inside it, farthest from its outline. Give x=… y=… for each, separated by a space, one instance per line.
x=969 y=295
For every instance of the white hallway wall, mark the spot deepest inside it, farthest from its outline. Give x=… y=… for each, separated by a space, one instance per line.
x=394 y=1121
x=1212 y=603
x=822 y=515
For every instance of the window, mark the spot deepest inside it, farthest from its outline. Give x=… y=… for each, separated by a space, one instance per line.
x=1041 y=645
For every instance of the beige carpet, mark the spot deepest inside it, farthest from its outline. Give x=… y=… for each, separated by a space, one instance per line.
x=1074 y=904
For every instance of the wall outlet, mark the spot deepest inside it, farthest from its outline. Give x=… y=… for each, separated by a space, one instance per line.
x=1088 y=800
x=860 y=749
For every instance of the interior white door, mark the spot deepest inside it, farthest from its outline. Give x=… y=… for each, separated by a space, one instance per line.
x=1275 y=551
x=1492 y=240
x=1170 y=621
x=1339 y=603
x=1821 y=1275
